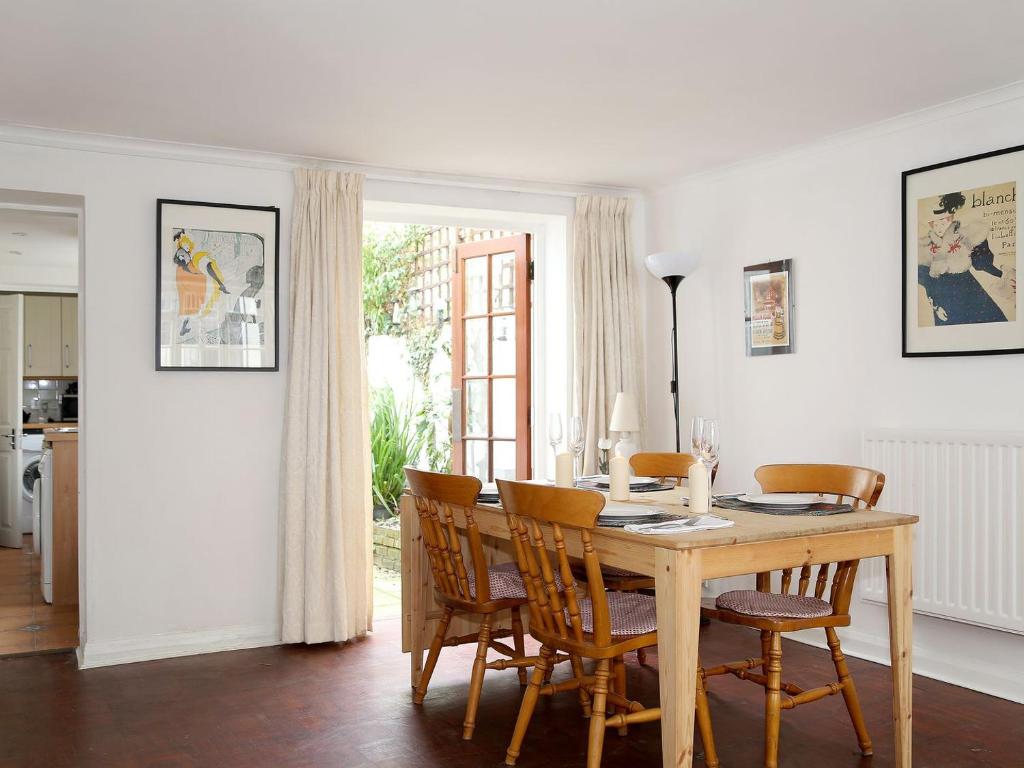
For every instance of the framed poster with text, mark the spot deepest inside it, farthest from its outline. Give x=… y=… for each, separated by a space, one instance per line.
x=960 y=257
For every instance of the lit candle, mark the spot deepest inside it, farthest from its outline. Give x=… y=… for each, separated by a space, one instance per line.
x=618 y=480
x=563 y=470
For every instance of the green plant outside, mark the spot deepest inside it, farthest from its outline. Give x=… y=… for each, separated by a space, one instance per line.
x=396 y=441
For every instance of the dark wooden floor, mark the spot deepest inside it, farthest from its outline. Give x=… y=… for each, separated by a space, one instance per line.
x=349 y=707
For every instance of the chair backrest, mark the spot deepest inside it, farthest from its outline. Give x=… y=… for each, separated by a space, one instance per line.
x=665 y=466
x=437 y=497
x=539 y=519
x=858 y=486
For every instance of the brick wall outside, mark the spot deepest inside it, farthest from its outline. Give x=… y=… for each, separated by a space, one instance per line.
x=387 y=547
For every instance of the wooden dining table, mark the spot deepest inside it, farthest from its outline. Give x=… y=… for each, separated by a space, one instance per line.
x=680 y=563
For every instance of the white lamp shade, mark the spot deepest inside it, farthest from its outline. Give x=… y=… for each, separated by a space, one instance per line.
x=671 y=263
x=625 y=414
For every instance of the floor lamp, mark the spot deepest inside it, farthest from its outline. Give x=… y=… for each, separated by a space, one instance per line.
x=672 y=267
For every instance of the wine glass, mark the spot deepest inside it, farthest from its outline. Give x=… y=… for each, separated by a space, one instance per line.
x=555 y=433
x=696 y=432
x=709 y=443
x=576 y=444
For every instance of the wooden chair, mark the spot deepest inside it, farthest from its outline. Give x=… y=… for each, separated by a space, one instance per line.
x=774 y=613
x=601 y=627
x=482 y=589
x=663 y=467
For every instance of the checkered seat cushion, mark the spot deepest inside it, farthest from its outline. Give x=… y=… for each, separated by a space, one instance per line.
x=611 y=570
x=506 y=583
x=772 y=606
x=631 y=614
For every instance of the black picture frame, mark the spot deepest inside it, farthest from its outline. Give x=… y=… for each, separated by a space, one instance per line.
x=905 y=258
x=274 y=294
x=788 y=307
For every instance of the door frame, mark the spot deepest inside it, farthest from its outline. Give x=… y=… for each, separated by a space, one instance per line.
x=551 y=352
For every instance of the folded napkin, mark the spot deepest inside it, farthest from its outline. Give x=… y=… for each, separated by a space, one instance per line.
x=702 y=523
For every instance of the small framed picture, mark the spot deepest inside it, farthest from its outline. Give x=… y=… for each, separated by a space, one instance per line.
x=960 y=256
x=768 y=303
x=216 y=286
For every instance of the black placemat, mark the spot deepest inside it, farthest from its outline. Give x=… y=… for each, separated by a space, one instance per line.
x=633 y=487
x=819 y=509
x=622 y=522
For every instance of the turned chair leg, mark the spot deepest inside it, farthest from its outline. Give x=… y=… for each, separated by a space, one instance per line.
x=528 y=705
x=518 y=642
x=773 y=701
x=435 y=651
x=765 y=641
x=578 y=673
x=704 y=724
x=641 y=656
x=476 y=681
x=595 y=742
x=619 y=670
x=849 y=691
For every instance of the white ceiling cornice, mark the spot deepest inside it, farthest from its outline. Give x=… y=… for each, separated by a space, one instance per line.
x=30 y=135
x=962 y=106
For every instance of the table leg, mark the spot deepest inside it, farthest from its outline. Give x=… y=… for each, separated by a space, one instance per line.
x=898 y=572
x=414 y=595
x=677 y=581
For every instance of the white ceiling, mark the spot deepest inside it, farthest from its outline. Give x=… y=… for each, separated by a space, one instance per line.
x=30 y=240
x=614 y=92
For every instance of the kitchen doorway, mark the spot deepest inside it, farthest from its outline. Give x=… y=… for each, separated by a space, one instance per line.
x=40 y=354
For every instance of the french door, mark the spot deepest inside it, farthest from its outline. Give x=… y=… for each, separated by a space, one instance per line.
x=491 y=359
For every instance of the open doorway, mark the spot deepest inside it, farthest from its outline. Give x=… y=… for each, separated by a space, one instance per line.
x=447 y=313
x=39 y=370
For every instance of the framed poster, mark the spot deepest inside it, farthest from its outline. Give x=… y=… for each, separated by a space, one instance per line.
x=216 y=286
x=768 y=303
x=960 y=257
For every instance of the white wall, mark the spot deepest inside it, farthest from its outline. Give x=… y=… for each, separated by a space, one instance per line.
x=834 y=208
x=179 y=502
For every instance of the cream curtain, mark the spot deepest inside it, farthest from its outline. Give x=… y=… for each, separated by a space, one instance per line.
x=608 y=346
x=326 y=464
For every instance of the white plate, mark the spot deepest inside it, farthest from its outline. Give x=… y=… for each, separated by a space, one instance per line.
x=782 y=499
x=630 y=510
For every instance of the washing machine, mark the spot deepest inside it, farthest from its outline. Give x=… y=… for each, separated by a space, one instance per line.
x=31 y=455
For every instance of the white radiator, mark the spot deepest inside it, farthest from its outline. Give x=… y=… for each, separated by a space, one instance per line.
x=968 y=490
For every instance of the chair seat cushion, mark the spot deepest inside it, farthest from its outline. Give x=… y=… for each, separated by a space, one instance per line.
x=506 y=583
x=772 y=606
x=631 y=614
x=611 y=570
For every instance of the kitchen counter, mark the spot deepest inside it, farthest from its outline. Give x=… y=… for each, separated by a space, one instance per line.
x=64 y=472
x=43 y=425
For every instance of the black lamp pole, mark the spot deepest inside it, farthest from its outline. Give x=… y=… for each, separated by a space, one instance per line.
x=673 y=282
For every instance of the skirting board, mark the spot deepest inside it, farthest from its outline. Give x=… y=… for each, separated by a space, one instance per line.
x=1004 y=683
x=105 y=653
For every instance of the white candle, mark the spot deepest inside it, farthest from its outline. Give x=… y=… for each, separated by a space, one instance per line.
x=563 y=470
x=618 y=480
x=699 y=486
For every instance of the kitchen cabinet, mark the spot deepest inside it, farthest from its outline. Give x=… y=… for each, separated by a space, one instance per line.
x=42 y=337
x=51 y=336
x=69 y=335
